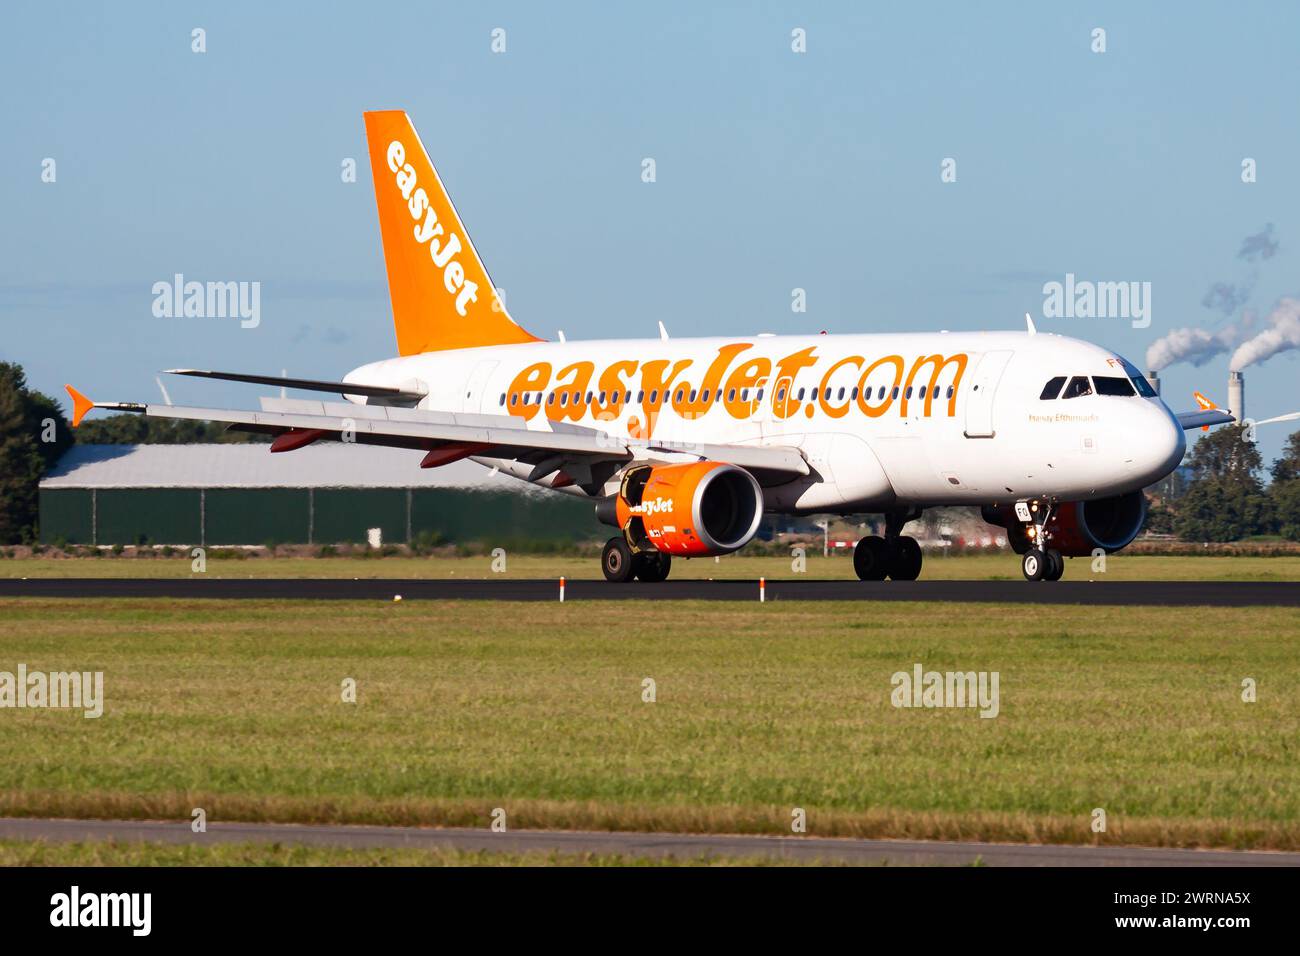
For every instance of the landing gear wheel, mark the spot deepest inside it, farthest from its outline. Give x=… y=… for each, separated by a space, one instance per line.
x=906 y=565
x=616 y=561
x=652 y=566
x=1055 y=565
x=871 y=558
x=1034 y=565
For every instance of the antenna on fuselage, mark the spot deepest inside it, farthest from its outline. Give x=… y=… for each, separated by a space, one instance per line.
x=663 y=333
x=1029 y=323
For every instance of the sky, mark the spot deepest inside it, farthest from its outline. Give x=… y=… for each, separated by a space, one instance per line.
x=774 y=170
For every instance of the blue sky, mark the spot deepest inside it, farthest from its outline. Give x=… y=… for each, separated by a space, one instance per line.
x=775 y=170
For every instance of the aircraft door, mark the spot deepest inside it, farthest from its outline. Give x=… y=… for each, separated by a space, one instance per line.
x=981 y=392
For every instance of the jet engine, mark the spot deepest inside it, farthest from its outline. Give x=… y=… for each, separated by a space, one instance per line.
x=1078 y=528
x=693 y=510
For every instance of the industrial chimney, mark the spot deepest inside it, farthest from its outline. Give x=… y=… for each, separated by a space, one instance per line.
x=1237 y=396
x=1154 y=378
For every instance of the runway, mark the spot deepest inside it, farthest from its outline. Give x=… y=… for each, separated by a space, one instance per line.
x=1169 y=593
x=801 y=849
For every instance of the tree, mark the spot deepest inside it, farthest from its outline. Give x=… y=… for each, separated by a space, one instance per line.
x=1287 y=468
x=1285 y=490
x=33 y=434
x=1225 y=499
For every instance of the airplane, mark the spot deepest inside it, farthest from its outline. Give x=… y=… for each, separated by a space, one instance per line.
x=684 y=444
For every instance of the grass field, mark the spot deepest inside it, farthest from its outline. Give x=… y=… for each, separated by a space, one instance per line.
x=1119 y=567
x=462 y=708
x=110 y=853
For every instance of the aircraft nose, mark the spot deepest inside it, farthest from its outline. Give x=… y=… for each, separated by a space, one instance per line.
x=1158 y=443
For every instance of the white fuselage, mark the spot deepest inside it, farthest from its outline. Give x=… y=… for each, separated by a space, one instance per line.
x=909 y=419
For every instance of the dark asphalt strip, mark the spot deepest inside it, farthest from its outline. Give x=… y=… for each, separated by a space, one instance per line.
x=658 y=845
x=1125 y=593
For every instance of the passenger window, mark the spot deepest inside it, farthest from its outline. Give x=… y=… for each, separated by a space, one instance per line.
x=799 y=395
x=1113 y=385
x=949 y=391
x=1078 y=387
x=1052 y=388
x=706 y=396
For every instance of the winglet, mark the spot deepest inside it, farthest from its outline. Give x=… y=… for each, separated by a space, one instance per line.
x=80 y=405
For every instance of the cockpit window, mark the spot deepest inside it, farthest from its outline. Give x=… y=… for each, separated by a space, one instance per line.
x=1052 y=388
x=1143 y=386
x=1113 y=385
x=1078 y=387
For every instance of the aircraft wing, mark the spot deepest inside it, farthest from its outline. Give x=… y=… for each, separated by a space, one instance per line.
x=1203 y=419
x=587 y=456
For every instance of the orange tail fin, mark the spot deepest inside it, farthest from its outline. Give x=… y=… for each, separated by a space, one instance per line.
x=1205 y=405
x=442 y=295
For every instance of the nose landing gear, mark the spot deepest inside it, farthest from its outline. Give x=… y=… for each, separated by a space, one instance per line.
x=1040 y=562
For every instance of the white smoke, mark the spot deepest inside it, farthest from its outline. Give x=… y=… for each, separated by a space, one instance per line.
x=1261 y=245
x=1198 y=346
x=1281 y=333
x=1195 y=345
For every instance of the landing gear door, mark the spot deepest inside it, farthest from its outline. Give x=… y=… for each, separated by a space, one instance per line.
x=981 y=392
x=473 y=399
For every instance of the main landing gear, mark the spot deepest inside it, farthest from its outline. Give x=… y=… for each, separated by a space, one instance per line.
x=1040 y=562
x=895 y=556
x=620 y=563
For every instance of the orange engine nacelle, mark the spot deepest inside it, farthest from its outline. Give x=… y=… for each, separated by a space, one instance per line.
x=697 y=509
x=1078 y=528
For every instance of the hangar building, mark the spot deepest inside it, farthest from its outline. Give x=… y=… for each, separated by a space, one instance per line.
x=330 y=493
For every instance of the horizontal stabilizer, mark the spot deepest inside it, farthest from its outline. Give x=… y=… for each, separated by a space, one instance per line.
x=307 y=384
x=1205 y=419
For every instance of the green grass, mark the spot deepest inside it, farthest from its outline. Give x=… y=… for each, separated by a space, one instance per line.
x=1006 y=566
x=113 y=853
x=464 y=707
